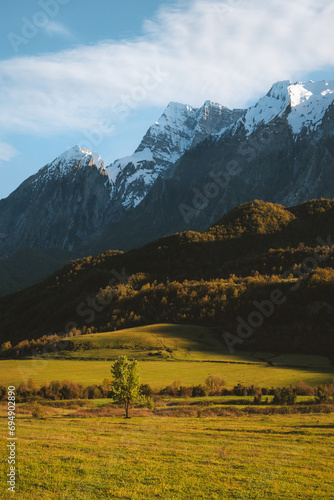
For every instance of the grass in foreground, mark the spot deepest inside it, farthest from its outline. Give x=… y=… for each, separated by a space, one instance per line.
x=259 y=457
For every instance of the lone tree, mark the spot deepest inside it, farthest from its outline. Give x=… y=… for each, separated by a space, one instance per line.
x=126 y=383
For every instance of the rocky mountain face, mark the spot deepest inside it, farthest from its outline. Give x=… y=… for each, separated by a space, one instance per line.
x=71 y=198
x=180 y=128
x=281 y=150
x=192 y=166
x=60 y=206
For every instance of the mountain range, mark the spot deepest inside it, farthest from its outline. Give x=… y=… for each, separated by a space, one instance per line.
x=192 y=167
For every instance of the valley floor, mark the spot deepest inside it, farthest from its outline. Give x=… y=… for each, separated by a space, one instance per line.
x=181 y=448
x=162 y=373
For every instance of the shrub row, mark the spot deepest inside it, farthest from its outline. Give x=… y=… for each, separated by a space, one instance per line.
x=213 y=386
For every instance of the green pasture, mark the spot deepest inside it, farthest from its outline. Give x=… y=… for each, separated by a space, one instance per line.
x=256 y=457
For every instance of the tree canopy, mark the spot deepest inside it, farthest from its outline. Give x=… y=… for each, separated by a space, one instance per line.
x=126 y=382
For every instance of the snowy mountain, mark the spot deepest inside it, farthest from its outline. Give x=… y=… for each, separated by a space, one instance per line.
x=75 y=157
x=180 y=128
x=60 y=206
x=72 y=197
x=304 y=103
x=281 y=150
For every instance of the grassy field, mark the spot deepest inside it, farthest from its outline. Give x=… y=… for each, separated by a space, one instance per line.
x=182 y=449
x=255 y=457
x=167 y=353
x=179 y=342
x=154 y=342
x=153 y=338
x=161 y=373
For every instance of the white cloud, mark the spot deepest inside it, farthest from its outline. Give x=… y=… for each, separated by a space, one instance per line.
x=7 y=152
x=229 y=52
x=53 y=28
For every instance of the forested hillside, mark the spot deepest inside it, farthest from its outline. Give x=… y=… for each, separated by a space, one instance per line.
x=227 y=277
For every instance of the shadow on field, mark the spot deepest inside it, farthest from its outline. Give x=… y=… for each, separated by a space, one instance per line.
x=317 y=426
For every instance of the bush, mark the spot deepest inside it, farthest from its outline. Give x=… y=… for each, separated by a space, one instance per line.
x=106 y=388
x=330 y=389
x=27 y=390
x=50 y=390
x=38 y=412
x=6 y=349
x=258 y=398
x=303 y=389
x=150 y=402
x=284 y=396
x=239 y=390
x=70 y=390
x=198 y=391
x=146 y=390
x=92 y=392
x=321 y=394
x=185 y=392
x=171 y=390
x=253 y=390
x=214 y=385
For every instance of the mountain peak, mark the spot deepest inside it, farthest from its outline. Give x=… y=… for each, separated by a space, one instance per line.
x=213 y=104
x=177 y=106
x=308 y=103
x=174 y=116
x=74 y=157
x=78 y=153
x=279 y=89
x=180 y=127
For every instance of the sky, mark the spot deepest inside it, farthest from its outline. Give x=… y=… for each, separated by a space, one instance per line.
x=98 y=73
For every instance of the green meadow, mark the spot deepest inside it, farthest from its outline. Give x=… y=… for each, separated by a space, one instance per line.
x=161 y=373
x=182 y=449
x=221 y=458
x=167 y=353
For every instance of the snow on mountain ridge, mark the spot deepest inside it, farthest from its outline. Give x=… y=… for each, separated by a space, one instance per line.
x=272 y=105
x=74 y=197
x=73 y=156
x=179 y=128
x=308 y=103
x=176 y=123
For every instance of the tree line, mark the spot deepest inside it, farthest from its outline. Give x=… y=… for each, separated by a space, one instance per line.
x=300 y=324
x=125 y=388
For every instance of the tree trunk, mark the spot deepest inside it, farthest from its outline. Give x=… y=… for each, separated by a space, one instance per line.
x=127 y=409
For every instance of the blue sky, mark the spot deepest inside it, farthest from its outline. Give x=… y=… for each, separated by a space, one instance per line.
x=98 y=73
